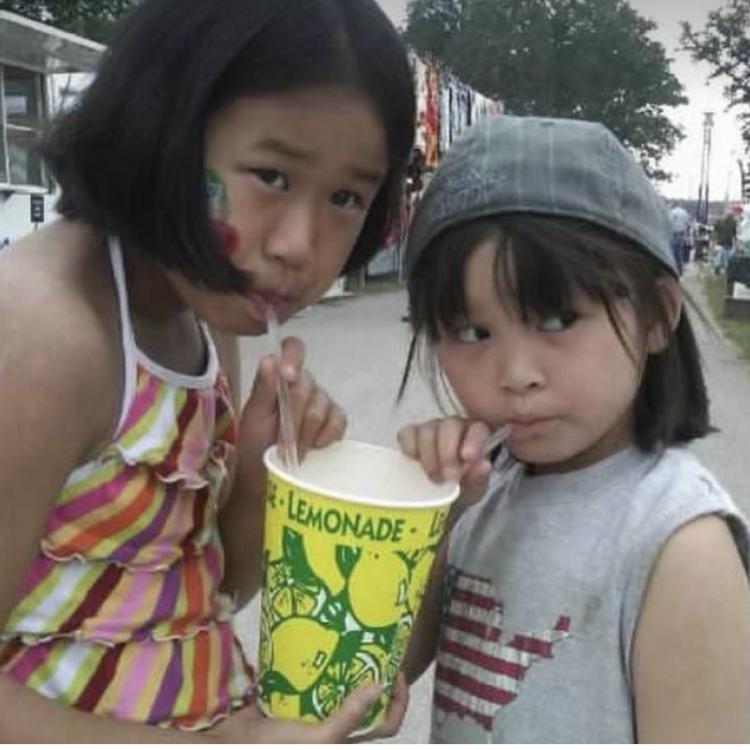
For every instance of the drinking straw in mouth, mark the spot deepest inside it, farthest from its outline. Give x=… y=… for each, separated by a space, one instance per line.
x=287 y=433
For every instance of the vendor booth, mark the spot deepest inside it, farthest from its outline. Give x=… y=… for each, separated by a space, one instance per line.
x=40 y=69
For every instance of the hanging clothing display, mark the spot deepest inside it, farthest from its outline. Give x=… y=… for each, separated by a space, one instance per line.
x=430 y=117
x=445 y=108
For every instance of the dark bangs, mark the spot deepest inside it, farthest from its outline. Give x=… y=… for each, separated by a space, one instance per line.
x=542 y=264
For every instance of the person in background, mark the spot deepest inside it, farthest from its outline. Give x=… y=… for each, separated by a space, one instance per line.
x=725 y=233
x=680 y=220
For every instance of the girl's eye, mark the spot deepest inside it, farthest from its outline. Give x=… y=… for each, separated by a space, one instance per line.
x=271 y=177
x=348 y=199
x=470 y=334
x=560 y=322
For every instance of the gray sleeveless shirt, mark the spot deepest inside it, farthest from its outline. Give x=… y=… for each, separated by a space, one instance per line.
x=543 y=588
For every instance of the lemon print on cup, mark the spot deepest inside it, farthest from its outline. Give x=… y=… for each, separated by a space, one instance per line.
x=315 y=645
x=377 y=588
x=321 y=555
x=343 y=576
x=289 y=595
x=341 y=678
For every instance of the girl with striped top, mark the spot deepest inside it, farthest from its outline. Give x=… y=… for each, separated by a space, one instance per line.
x=228 y=157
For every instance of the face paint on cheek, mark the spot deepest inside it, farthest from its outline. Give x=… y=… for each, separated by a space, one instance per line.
x=218 y=200
x=229 y=238
x=218 y=208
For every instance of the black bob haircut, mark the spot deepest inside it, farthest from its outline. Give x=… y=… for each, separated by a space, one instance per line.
x=129 y=157
x=549 y=259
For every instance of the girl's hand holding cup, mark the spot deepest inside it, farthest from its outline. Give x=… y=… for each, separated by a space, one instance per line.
x=318 y=420
x=251 y=725
x=453 y=449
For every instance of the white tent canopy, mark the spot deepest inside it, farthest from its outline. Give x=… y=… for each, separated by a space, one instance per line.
x=44 y=49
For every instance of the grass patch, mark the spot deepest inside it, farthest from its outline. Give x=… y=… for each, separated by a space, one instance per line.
x=737 y=331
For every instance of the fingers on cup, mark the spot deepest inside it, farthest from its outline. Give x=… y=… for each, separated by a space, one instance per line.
x=407 y=440
x=292 y=358
x=451 y=439
x=333 y=428
x=322 y=422
x=340 y=725
x=394 y=716
x=302 y=392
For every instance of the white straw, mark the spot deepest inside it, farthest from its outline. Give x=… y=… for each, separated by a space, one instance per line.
x=287 y=432
x=500 y=435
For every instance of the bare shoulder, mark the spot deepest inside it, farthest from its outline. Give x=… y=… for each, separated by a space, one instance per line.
x=698 y=550
x=58 y=324
x=59 y=384
x=699 y=570
x=692 y=631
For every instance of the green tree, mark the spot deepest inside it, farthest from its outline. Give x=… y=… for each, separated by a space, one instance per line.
x=723 y=43
x=587 y=59
x=93 y=19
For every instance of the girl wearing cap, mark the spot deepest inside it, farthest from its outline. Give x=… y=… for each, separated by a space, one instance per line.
x=596 y=590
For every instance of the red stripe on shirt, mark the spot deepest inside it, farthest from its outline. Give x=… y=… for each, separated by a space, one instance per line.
x=100 y=680
x=474 y=599
x=467 y=625
x=475 y=687
x=481 y=659
x=95 y=597
x=452 y=707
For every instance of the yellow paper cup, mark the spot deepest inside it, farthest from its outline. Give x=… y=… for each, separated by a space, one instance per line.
x=348 y=545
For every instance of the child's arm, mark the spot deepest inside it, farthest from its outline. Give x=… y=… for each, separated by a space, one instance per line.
x=448 y=449
x=691 y=649
x=318 y=420
x=423 y=643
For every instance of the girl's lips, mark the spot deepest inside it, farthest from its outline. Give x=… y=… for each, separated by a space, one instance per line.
x=527 y=423
x=260 y=302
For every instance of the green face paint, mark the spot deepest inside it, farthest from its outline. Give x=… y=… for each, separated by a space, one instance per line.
x=218 y=208
x=218 y=200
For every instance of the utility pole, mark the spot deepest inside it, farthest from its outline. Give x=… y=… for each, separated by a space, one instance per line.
x=701 y=212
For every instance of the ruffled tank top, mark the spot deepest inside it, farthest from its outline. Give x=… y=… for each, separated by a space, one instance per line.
x=120 y=613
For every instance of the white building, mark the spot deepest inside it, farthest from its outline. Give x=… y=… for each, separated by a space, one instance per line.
x=40 y=73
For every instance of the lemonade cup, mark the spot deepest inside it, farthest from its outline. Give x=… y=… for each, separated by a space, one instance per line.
x=349 y=540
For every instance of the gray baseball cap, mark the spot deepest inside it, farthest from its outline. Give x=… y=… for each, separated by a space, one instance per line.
x=553 y=167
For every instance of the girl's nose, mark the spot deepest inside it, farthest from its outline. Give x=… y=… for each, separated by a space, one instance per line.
x=519 y=369
x=291 y=236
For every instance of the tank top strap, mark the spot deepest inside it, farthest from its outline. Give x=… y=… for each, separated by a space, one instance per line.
x=133 y=356
x=126 y=328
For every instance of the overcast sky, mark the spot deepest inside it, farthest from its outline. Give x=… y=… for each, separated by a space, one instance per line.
x=686 y=159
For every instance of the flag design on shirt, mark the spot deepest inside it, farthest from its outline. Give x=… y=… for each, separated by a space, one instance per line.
x=479 y=666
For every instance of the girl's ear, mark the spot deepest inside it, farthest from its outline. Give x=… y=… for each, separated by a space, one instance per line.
x=670 y=293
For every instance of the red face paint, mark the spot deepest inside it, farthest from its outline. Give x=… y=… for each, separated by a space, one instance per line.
x=229 y=239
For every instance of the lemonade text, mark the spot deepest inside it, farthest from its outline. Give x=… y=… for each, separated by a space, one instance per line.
x=333 y=521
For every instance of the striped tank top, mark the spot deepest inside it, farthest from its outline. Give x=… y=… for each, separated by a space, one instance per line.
x=120 y=613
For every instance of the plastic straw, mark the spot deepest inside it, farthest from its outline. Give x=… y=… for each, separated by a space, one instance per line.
x=498 y=436
x=287 y=433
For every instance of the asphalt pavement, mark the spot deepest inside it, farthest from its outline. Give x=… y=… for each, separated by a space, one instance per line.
x=357 y=346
